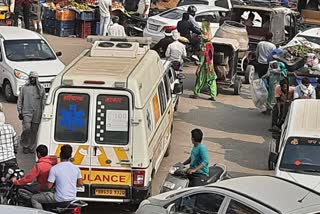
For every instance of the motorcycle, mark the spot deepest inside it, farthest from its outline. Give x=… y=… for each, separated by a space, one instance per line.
x=177 y=177
x=11 y=194
x=134 y=24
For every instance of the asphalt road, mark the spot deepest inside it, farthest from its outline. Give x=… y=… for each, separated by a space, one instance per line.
x=234 y=131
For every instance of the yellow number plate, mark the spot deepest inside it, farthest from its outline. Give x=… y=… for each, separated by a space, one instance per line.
x=111 y=192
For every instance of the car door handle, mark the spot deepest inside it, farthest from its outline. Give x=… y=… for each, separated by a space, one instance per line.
x=124 y=162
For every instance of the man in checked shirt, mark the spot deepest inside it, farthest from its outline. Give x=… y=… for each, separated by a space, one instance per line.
x=8 y=142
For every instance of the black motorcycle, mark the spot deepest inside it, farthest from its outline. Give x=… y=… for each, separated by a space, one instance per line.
x=177 y=177
x=134 y=24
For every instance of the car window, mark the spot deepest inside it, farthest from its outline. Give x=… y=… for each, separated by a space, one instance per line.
x=175 y=14
x=236 y=207
x=203 y=203
x=167 y=87
x=212 y=17
x=312 y=39
x=189 y=2
x=72 y=118
x=162 y=96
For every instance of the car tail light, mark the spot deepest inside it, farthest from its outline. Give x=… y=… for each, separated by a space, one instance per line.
x=169 y=28
x=138 y=178
x=76 y=210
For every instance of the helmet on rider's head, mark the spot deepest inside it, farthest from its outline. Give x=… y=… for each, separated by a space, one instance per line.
x=192 y=10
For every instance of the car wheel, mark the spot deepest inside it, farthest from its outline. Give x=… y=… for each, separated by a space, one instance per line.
x=8 y=92
x=249 y=74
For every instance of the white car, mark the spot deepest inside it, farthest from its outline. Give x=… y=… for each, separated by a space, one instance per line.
x=23 y=51
x=157 y=25
x=311 y=36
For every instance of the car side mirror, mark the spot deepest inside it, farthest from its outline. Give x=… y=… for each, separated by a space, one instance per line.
x=274 y=157
x=59 y=53
x=177 y=89
x=171 y=209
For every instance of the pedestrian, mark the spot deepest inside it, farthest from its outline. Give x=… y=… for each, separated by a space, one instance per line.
x=144 y=8
x=116 y=29
x=205 y=71
x=105 y=7
x=22 y=7
x=162 y=46
x=305 y=90
x=37 y=23
x=30 y=105
x=176 y=51
x=65 y=177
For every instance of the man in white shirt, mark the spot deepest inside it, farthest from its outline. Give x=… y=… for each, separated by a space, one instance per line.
x=105 y=14
x=66 y=176
x=143 y=8
x=304 y=90
x=176 y=51
x=116 y=29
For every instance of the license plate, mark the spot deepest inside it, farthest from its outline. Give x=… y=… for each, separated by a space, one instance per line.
x=110 y=192
x=46 y=85
x=153 y=27
x=169 y=185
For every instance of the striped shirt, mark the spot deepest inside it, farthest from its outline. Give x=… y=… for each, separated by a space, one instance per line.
x=8 y=142
x=116 y=30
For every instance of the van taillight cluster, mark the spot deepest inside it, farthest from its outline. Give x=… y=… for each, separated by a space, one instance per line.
x=76 y=210
x=138 y=178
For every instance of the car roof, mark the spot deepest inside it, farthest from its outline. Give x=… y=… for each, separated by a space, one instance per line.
x=260 y=8
x=282 y=195
x=314 y=32
x=202 y=8
x=16 y=33
x=304 y=118
x=6 y=209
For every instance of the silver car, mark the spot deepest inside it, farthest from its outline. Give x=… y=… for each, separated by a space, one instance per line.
x=246 y=195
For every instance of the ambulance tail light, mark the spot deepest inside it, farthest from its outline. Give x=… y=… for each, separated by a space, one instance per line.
x=138 y=178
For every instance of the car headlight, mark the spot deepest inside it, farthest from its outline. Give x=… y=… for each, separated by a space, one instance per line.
x=21 y=75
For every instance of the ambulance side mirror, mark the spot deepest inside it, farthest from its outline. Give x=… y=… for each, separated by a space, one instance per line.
x=177 y=89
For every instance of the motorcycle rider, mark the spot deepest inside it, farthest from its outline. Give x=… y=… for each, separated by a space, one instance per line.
x=198 y=173
x=30 y=105
x=39 y=172
x=176 y=51
x=192 y=12
x=8 y=142
x=65 y=176
x=162 y=45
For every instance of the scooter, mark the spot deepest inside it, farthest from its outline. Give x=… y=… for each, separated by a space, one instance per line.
x=177 y=177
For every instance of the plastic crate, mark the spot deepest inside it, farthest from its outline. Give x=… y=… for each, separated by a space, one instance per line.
x=48 y=13
x=83 y=29
x=64 y=24
x=86 y=15
x=49 y=22
x=65 y=15
x=64 y=32
x=49 y=30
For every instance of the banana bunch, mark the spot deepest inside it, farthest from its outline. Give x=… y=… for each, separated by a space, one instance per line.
x=80 y=6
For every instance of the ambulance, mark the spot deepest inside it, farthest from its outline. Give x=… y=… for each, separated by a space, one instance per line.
x=113 y=104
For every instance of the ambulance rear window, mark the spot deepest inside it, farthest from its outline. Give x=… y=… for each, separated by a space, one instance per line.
x=112 y=120
x=72 y=118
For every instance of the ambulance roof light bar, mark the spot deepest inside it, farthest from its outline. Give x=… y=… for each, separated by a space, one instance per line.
x=140 y=40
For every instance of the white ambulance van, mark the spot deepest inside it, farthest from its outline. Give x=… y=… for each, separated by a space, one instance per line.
x=114 y=105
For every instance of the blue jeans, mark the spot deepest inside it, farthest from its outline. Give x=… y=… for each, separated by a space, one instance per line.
x=104 y=25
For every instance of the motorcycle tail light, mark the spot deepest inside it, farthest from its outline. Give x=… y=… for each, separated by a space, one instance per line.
x=76 y=210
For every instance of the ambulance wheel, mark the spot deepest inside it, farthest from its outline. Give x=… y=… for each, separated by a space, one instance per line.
x=176 y=105
x=168 y=151
x=271 y=164
x=8 y=92
x=249 y=74
x=237 y=86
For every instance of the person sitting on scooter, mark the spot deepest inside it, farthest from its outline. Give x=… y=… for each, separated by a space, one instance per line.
x=66 y=176
x=198 y=172
x=176 y=51
x=39 y=172
x=162 y=45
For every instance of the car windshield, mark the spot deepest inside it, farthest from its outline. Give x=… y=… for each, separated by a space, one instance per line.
x=190 y=2
x=312 y=39
x=301 y=155
x=173 y=14
x=28 y=50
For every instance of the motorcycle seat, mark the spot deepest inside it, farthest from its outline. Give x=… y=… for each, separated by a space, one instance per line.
x=214 y=173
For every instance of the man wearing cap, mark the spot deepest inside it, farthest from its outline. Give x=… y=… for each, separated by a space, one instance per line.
x=176 y=51
x=30 y=105
x=162 y=45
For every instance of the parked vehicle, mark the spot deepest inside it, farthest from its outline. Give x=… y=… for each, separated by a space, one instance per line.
x=253 y=194
x=122 y=117
x=23 y=51
x=311 y=35
x=294 y=153
x=168 y=20
x=227 y=4
x=177 y=177
x=134 y=24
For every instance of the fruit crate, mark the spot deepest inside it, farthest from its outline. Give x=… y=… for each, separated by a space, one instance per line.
x=64 y=24
x=65 y=15
x=49 y=30
x=83 y=29
x=48 y=13
x=86 y=15
x=64 y=32
x=49 y=23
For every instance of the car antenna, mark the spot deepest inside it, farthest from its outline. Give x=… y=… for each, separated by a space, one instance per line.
x=300 y=201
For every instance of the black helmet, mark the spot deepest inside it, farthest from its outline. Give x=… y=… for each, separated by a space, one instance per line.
x=192 y=10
